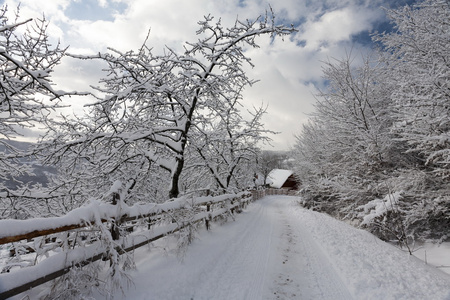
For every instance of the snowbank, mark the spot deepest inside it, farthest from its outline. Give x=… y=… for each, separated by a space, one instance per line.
x=371 y=268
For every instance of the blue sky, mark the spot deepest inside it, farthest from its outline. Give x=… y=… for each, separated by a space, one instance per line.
x=93 y=11
x=289 y=71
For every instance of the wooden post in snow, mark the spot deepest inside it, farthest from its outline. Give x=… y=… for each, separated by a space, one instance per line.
x=115 y=233
x=208 y=218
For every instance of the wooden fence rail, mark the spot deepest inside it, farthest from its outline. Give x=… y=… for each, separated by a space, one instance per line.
x=149 y=222
x=258 y=194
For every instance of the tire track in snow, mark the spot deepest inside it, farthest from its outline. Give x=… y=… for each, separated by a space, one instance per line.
x=241 y=270
x=304 y=271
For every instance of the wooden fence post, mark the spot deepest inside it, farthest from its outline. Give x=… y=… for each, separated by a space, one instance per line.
x=244 y=202
x=115 y=232
x=208 y=218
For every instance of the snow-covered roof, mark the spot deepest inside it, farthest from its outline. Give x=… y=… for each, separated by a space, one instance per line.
x=259 y=179
x=277 y=177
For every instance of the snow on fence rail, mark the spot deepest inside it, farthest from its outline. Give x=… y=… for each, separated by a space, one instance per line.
x=60 y=243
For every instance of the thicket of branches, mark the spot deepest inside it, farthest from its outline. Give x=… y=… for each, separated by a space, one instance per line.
x=377 y=149
x=27 y=97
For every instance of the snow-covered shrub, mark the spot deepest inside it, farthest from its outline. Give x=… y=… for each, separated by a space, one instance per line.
x=106 y=276
x=78 y=284
x=386 y=219
x=430 y=219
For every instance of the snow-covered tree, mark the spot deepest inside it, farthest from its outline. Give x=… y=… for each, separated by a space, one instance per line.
x=418 y=57
x=27 y=96
x=348 y=143
x=26 y=62
x=151 y=106
x=381 y=129
x=227 y=146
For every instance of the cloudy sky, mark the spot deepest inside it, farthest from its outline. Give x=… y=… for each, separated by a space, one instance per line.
x=289 y=71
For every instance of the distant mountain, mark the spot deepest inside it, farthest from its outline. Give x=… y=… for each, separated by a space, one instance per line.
x=41 y=173
x=16 y=144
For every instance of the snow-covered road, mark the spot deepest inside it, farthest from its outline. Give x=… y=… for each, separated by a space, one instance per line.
x=277 y=250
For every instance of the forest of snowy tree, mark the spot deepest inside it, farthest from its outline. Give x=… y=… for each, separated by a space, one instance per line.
x=376 y=151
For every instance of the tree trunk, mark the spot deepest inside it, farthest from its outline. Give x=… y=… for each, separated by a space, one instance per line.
x=174 y=190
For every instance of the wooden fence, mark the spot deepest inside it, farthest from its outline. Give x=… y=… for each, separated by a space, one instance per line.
x=257 y=194
x=75 y=240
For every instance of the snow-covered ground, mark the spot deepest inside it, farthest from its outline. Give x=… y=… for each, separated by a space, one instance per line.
x=437 y=255
x=277 y=250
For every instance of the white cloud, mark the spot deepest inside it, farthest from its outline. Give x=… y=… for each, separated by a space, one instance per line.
x=336 y=26
x=102 y=3
x=34 y=9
